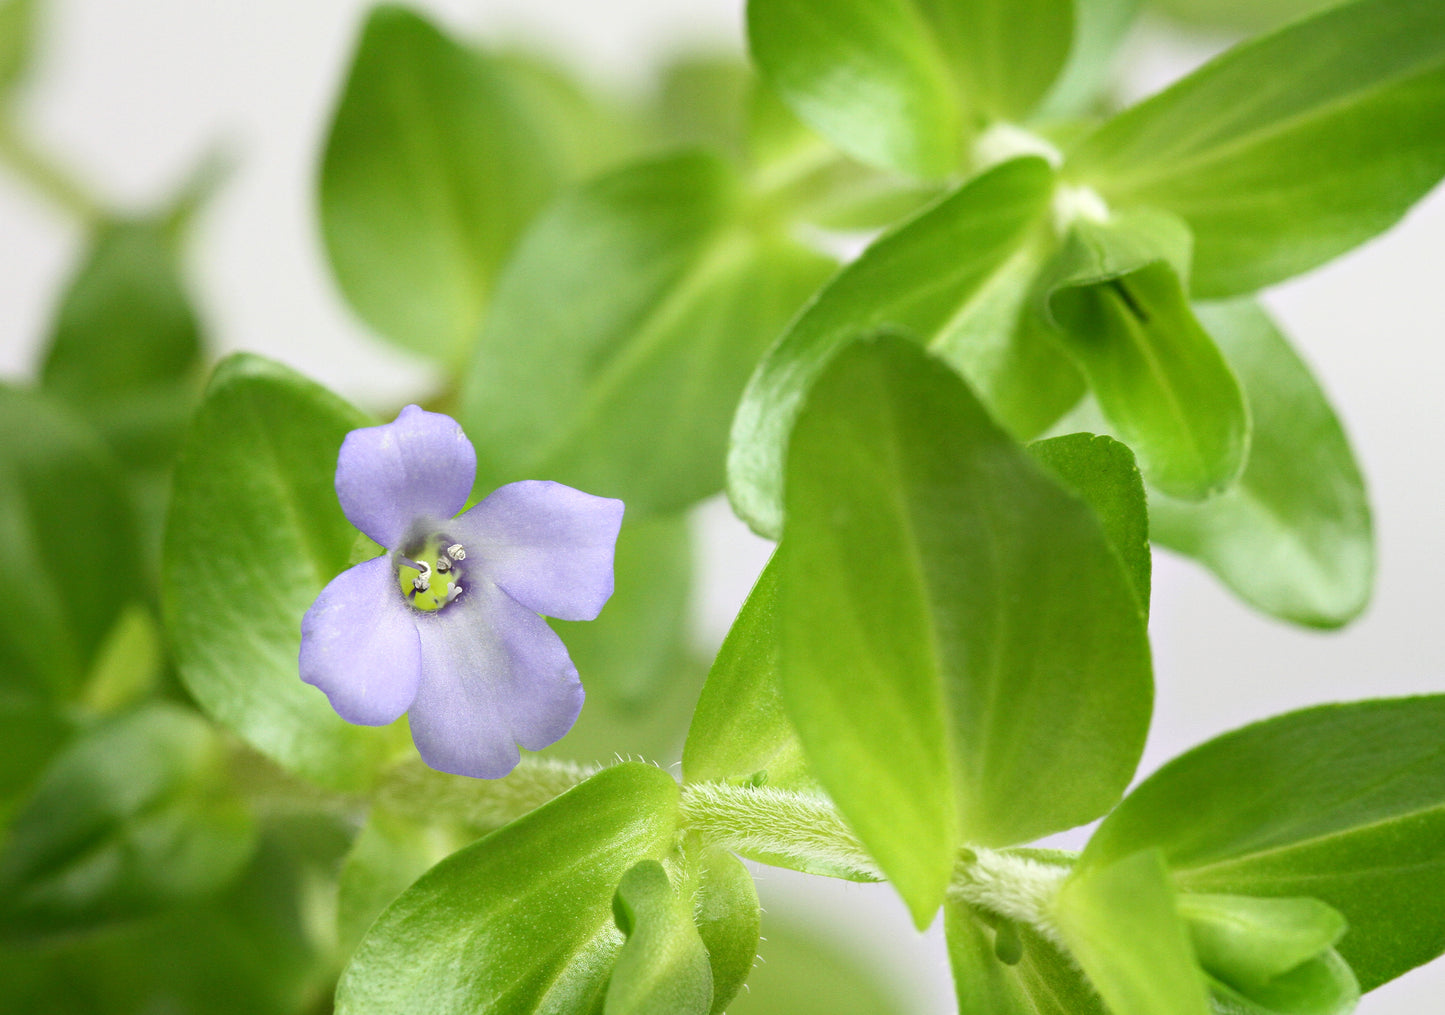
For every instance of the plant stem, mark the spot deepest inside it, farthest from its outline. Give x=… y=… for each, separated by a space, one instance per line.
x=42 y=174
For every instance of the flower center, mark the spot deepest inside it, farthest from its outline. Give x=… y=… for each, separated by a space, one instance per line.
x=430 y=577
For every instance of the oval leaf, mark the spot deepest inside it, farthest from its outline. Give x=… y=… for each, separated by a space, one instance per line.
x=1123 y=315
x=669 y=303
x=432 y=167
x=905 y=83
x=1102 y=471
x=522 y=920
x=939 y=661
x=255 y=533
x=740 y=729
x=1122 y=925
x=1345 y=803
x=662 y=968
x=729 y=920
x=1293 y=536
x=957 y=276
x=125 y=349
x=1291 y=149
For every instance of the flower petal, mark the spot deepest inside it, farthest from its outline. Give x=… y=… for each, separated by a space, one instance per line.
x=359 y=645
x=419 y=466
x=546 y=545
x=494 y=675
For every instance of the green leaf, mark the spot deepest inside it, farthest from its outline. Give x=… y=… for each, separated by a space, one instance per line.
x=957 y=275
x=588 y=130
x=32 y=731
x=1345 y=803
x=663 y=967
x=1325 y=985
x=740 y=730
x=702 y=100
x=433 y=166
x=522 y=920
x=125 y=349
x=906 y=83
x=633 y=659
x=1247 y=942
x=1102 y=471
x=1100 y=27
x=17 y=41
x=625 y=387
x=947 y=679
x=388 y=855
x=1115 y=295
x=61 y=496
x=1291 y=149
x=253 y=949
x=1293 y=536
x=1251 y=15
x=255 y=533
x=1120 y=923
x=129 y=820
x=728 y=918
x=1043 y=981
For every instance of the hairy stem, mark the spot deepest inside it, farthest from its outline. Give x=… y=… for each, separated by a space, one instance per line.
x=798 y=829
x=1016 y=887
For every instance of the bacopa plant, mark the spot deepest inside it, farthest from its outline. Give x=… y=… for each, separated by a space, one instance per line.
x=1047 y=356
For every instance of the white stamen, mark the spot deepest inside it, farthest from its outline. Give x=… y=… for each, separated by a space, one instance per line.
x=420 y=583
x=453 y=592
x=443 y=565
x=457 y=551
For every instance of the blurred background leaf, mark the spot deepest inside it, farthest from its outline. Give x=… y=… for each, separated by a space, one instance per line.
x=67 y=541
x=433 y=166
x=134 y=817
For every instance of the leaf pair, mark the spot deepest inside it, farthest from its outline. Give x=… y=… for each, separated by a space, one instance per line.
x=1282 y=868
x=1279 y=155
x=947 y=679
x=603 y=925
x=973 y=276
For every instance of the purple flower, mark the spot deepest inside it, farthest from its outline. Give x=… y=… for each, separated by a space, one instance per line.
x=445 y=625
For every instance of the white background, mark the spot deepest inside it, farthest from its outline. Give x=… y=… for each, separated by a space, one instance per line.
x=132 y=94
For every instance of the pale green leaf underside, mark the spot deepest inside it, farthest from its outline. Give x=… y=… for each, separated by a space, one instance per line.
x=1293 y=536
x=1115 y=294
